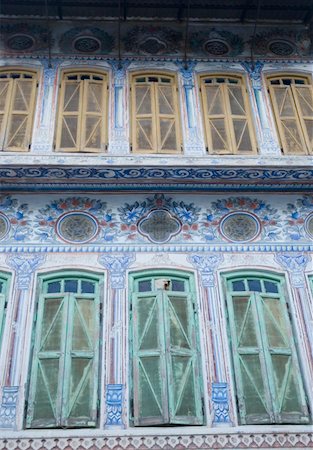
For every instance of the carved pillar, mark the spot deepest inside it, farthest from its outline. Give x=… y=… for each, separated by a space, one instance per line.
x=207 y=265
x=295 y=264
x=193 y=142
x=43 y=138
x=24 y=268
x=269 y=144
x=116 y=353
x=119 y=143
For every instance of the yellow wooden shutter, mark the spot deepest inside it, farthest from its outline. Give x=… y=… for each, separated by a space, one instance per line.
x=166 y=110
x=93 y=116
x=215 y=121
x=240 y=125
x=303 y=95
x=69 y=116
x=287 y=119
x=20 y=114
x=6 y=85
x=144 y=129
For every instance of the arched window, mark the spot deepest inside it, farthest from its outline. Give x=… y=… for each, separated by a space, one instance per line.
x=269 y=385
x=4 y=289
x=227 y=115
x=82 y=114
x=292 y=102
x=155 y=117
x=63 y=388
x=17 y=104
x=166 y=378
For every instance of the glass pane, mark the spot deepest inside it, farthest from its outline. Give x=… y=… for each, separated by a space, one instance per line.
x=22 y=95
x=254 y=285
x=305 y=97
x=54 y=287
x=238 y=286
x=69 y=132
x=218 y=134
x=150 y=382
x=293 y=140
x=94 y=98
x=80 y=339
x=244 y=322
x=168 y=134
x=71 y=286
x=87 y=287
x=236 y=100
x=144 y=286
x=4 y=90
x=87 y=310
x=17 y=135
x=242 y=136
x=271 y=286
x=71 y=97
x=143 y=100
x=214 y=100
x=144 y=134
x=93 y=132
x=148 y=322
x=287 y=386
x=178 y=285
x=275 y=323
x=46 y=389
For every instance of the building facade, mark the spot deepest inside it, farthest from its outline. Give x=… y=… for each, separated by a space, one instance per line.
x=156 y=225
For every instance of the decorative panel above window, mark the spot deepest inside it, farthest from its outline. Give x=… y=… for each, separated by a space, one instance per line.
x=166 y=377
x=269 y=385
x=82 y=114
x=292 y=101
x=64 y=377
x=155 y=116
x=17 y=104
x=227 y=116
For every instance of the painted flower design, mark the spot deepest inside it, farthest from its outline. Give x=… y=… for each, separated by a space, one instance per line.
x=18 y=215
x=296 y=215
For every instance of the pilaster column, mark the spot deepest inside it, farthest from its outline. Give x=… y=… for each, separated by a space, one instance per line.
x=117 y=346
x=206 y=266
x=193 y=144
x=119 y=142
x=295 y=264
x=45 y=120
x=24 y=268
x=269 y=144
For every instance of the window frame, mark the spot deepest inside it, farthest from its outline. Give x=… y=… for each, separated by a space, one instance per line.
x=155 y=123
x=304 y=138
x=41 y=293
x=81 y=113
x=8 y=109
x=168 y=417
x=265 y=361
x=231 y=139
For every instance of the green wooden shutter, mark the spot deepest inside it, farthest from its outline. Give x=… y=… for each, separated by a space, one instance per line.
x=64 y=376
x=3 y=296
x=185 y=403
x=268 y=379
x=166 y=376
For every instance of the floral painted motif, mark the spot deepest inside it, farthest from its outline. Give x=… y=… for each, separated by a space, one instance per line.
x=18 y=216
x=47 y=217
x=297 y=213
x=267 y=215
x=130 y=214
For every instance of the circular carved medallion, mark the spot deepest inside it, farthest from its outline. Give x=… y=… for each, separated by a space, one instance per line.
x=86 y=44
x=216 y=47
x=240 y=227
x=281 y=48
x=20 y=42
x=4 y=226
x=77 y=227
x=308 y=225
x=159 y=226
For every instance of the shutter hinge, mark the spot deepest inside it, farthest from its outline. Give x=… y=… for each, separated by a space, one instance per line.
x=37 y=84
x=130 y=307
x=29 y=145
x=132 y=407
x=200 y=89
x=207 y=149
x=131 y=147
x=202 y=406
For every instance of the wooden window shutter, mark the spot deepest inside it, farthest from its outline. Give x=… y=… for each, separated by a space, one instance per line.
x=93 y=116
x=64 y=376
x=166 y=377
x=3 y=298
x=227 y=118
x=304 y=100
x=155 y=115
x=268 y=379
x=287 y=119
x=6 y=85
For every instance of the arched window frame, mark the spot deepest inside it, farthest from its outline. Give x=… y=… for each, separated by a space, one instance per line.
x=12 y=81
x=272 y=400
x=292 y=91
x=154 y=115
x=166 y=348
x=81 y=114
x=232 y=144
x=63 y=399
